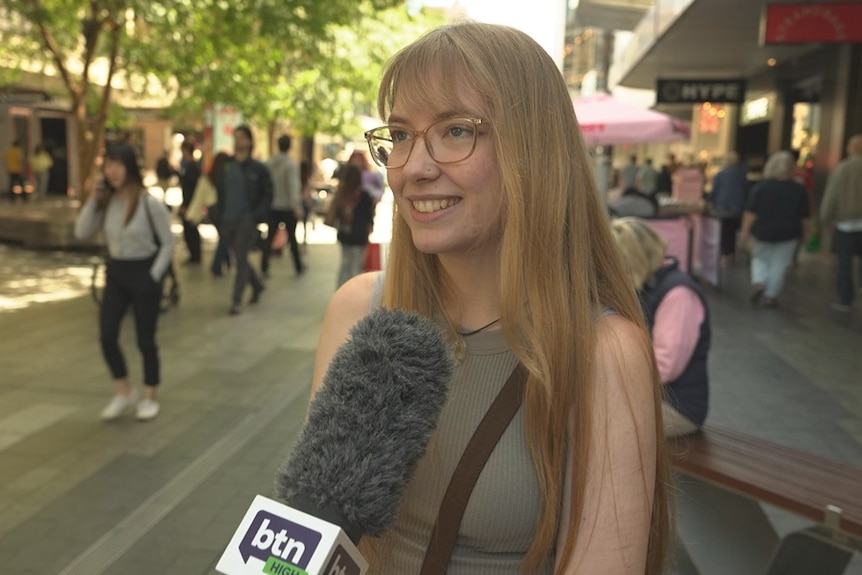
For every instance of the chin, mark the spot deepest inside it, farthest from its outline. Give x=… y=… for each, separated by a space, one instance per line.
x=437 y=245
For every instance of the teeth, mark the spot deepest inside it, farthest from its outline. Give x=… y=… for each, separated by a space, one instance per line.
x=427 y=206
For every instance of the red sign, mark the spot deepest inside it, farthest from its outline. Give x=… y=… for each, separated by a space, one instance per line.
x=827 y=22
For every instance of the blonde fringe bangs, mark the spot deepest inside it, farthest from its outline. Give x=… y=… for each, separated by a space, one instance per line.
x=428 y=72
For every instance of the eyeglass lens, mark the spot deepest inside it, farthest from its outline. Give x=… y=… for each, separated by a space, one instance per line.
x=449 y=140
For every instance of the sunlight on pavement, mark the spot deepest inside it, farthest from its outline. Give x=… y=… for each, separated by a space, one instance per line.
x=29 y=277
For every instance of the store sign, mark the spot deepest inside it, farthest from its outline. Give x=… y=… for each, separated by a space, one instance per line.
x=826 y=22
x=699 y=91
x=756 y=110
x=22 y=96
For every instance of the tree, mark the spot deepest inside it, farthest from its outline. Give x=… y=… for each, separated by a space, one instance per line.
x=320 y=84
x=146 y=45
x=342 y=83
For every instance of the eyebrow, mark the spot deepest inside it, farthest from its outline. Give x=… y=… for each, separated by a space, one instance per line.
x=437 y=117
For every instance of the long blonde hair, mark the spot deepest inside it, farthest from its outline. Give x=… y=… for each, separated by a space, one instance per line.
x=558 y=260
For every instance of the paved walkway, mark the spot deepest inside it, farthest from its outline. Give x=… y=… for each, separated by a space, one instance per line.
x=79 y=496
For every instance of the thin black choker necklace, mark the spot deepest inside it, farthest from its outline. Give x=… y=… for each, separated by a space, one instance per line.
x=486 y=326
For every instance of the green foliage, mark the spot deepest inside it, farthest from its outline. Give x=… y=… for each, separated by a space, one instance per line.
x=321 y=84
x=314 y=62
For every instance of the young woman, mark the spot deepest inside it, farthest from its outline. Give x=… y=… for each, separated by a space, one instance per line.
x=352 y=214
x=501 y=236
x=140 y=246
x=372 y=181
x=678 y=320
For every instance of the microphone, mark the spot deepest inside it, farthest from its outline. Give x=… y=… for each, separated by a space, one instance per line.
x=367 y=428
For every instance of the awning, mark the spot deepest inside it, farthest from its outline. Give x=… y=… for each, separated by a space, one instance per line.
x=605 y=120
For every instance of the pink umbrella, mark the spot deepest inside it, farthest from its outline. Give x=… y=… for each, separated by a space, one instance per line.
x=605 y=121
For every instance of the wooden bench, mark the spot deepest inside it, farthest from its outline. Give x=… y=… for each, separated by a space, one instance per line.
x=723 y=475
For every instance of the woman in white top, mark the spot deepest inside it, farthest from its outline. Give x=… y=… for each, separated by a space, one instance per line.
x=137 y=232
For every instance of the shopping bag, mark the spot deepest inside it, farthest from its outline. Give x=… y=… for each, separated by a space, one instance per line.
x=372 y=258
x=813 y=245
x=279 y=241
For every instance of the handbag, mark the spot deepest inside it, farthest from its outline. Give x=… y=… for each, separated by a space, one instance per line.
x=485 y=438
x=331 y=218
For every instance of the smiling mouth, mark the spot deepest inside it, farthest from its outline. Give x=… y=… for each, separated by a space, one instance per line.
x=428 y=206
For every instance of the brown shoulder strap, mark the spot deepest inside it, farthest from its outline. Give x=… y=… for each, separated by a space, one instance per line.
x=484 y=439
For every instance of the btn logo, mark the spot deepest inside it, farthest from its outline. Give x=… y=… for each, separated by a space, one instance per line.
x=284 y=546
x=341 y=564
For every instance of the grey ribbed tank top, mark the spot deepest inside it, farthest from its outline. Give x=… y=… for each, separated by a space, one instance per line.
x=500 y=519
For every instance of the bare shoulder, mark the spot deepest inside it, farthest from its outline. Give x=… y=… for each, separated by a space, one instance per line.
x=624 y=358
x=348 y=305
x=617 y=335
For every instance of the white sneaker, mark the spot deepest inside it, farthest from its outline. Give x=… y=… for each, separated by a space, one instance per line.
x=147 y=409
x=119 y=404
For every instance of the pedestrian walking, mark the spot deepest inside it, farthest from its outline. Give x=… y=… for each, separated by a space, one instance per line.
x=41 y=163
x=189 y=174
x=15 y=169
x=286 y=204
x=842 y=209
x=244 y=192
x=352 y=214
x=774 y=220
x=728 y=197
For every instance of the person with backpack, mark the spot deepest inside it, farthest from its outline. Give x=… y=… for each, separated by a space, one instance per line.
x=140 y=247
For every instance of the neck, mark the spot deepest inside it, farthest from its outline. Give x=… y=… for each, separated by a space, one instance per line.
x=241 y=156
x=472 y=295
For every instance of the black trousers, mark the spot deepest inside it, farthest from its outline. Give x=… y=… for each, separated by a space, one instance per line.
x=288 y=218
x=729 y=227
x=847 y=245
x=193 y=240
x=128 y=283
x=241 y=236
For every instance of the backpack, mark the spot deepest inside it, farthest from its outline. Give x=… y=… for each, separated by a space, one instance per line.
x=163 y=169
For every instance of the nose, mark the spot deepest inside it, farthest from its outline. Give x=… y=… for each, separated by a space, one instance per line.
x=419 y=164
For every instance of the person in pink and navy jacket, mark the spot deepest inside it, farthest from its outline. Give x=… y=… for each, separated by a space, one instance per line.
x=678 y=319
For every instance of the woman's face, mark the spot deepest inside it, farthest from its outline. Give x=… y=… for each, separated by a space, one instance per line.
x=115 y=173
x=450 y=208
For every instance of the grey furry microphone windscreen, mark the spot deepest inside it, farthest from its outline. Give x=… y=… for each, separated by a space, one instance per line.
x=370 y=423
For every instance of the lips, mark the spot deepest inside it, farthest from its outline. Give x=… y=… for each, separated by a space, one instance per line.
x=430 y=206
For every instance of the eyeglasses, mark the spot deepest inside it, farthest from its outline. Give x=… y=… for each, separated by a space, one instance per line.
x=448 y=141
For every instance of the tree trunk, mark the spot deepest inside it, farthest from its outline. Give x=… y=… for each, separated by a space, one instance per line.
x=86 y=151
x=308 y=149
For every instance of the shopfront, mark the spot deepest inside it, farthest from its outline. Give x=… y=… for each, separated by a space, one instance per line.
x=800 y=61
x=31 y=117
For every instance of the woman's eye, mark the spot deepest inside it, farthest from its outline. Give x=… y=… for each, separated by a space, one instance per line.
x=399 y=135
x=459 y=131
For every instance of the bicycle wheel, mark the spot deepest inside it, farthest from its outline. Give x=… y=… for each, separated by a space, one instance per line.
x=97 y=281
x=170 y=291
